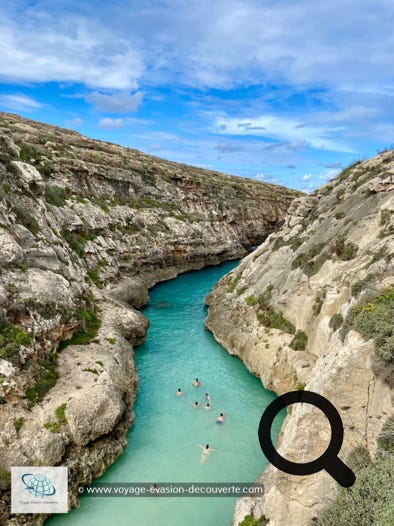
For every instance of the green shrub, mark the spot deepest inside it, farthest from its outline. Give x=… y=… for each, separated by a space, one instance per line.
x=274 y=320
x=100 y=363
x=18 y=423
x=298 y=343
x=368 y=502
x=54 y=427
x=55 y=195
x=249 y=520
x=348 y=252
x=46 y=380
x=29 y=153
x=92 y=275
x=25 y=218
x=78 y=240
x=11 y=340
x=60 y=413
x=339 y=215
x=311 y=262
x=317 y=306
x=386 y=437
x=375 y=320
x=251 y=301
x=232 y=283
x=88 y=330
x=112 y=341
x=359 y=285
x=336 y=321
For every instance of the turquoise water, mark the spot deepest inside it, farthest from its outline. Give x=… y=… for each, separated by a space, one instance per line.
x=163 y=442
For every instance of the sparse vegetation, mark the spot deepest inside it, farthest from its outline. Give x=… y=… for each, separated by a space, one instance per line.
x=251 y=301
x=55 y=195
x=311 y=262
x=375 y=320
x=249 y=520
x=369 y=501
x=78 y=240
x=359 y=285
x=29 y=153
x=47 y=379
x=11 y=340
x=299 y=342
x=54 y=427
x=317 y=306
x=92 y=275
x=232 y=283
x=336 y=321
x=89 y=327
x=18 y=423
x=60 y=413
x=25 y=218
x=271 y=319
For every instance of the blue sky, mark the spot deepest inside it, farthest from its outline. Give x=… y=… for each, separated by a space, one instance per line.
x=284 y=91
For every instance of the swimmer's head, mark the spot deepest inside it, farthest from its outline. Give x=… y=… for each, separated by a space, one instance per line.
x=207 y=446
x=196 y=379
x=207 y=405
x=221 y=414
x=179 y=390
x=195 y=403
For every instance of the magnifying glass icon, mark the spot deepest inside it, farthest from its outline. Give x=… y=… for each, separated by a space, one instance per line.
x=329 y=460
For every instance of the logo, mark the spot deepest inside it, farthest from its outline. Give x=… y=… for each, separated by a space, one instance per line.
x=38 y=485
x=39 y=489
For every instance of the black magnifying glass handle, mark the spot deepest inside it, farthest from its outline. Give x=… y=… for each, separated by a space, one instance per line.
x=340 y=472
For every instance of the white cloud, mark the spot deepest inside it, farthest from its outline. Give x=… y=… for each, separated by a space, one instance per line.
x=75 y=123
x=119 y=102
x=281 y=128
x=218 y=44
x=43 y=46
x=111 y=124
x=306 y=177
x=19 y=102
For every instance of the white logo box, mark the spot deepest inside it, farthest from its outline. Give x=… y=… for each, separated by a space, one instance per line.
x=39 y=489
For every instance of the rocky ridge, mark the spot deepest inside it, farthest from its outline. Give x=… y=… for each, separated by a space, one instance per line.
x=86 y=227
x=299 y=312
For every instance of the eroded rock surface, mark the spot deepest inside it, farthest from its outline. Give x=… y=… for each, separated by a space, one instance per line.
x=334 y=249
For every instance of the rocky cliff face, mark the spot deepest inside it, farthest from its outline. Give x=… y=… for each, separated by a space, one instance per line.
x=85 y=228
x=311 y=309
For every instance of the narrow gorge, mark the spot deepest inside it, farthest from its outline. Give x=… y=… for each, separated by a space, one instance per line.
x=86 y=228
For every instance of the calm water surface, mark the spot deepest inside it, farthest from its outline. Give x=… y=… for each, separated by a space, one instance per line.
x=163 y=442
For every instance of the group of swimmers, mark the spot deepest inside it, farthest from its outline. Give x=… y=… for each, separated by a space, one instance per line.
x=219 y=419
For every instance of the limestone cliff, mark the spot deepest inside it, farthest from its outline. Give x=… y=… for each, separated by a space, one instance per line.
x=296 y=311
x=85 y=228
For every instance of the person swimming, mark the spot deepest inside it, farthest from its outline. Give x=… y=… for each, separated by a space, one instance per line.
x=196 y=405
x=196 y=383
x=206 y=449
x=208 y=397
x=220 y=418
x=179 y=392
x=207 y=406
